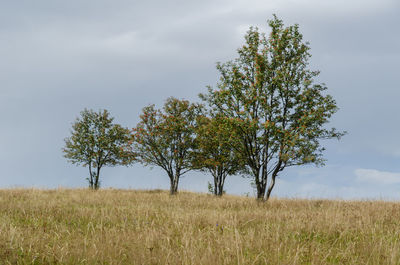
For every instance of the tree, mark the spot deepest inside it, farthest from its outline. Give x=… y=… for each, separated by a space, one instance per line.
x=165 y=138
x=216 y=151
x=96 y=142
x=274 y=104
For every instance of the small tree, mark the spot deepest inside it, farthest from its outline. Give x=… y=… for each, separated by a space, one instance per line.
x=273 y=103
x=96 y=142
x=217 y=150
x=166 y=138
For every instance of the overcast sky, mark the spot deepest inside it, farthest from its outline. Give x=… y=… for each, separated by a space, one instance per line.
x=59 y=57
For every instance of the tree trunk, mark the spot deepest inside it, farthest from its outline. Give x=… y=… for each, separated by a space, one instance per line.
x=273 y=177
x=97 y=183
x=271 y=186
x=261 y=187
x=219 y=180
x=220 y=189
x=220 y=186
x=260 y=183
x=174 y=181
x=91 y=178
x=215 y=185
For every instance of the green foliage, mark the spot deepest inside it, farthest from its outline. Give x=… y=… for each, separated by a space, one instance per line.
x=273 y=103
x=165 y=138
x=95 y=142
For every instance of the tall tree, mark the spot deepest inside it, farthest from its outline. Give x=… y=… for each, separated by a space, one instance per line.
x=274 y=103
x=217 y=150
x=96 y=142
x=165 y=138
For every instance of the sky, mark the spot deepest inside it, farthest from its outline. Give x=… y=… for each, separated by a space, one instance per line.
x=59 y=57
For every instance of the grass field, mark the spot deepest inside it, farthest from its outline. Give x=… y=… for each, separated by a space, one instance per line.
x=150 y=227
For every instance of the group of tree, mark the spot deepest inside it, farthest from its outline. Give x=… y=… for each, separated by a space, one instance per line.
x=266 y=113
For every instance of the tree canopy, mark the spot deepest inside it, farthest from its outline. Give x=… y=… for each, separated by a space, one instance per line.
x=165 y=138
x=95 y=142
x=273 y=103
x=217 y=150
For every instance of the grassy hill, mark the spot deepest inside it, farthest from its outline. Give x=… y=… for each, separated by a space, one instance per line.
x=150 y=227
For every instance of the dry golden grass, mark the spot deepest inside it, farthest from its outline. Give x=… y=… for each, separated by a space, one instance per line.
x=138 y=227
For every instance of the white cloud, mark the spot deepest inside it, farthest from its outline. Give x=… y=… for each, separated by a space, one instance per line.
x=376 y=176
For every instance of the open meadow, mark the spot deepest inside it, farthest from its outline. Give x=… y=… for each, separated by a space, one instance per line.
x=79 y=226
